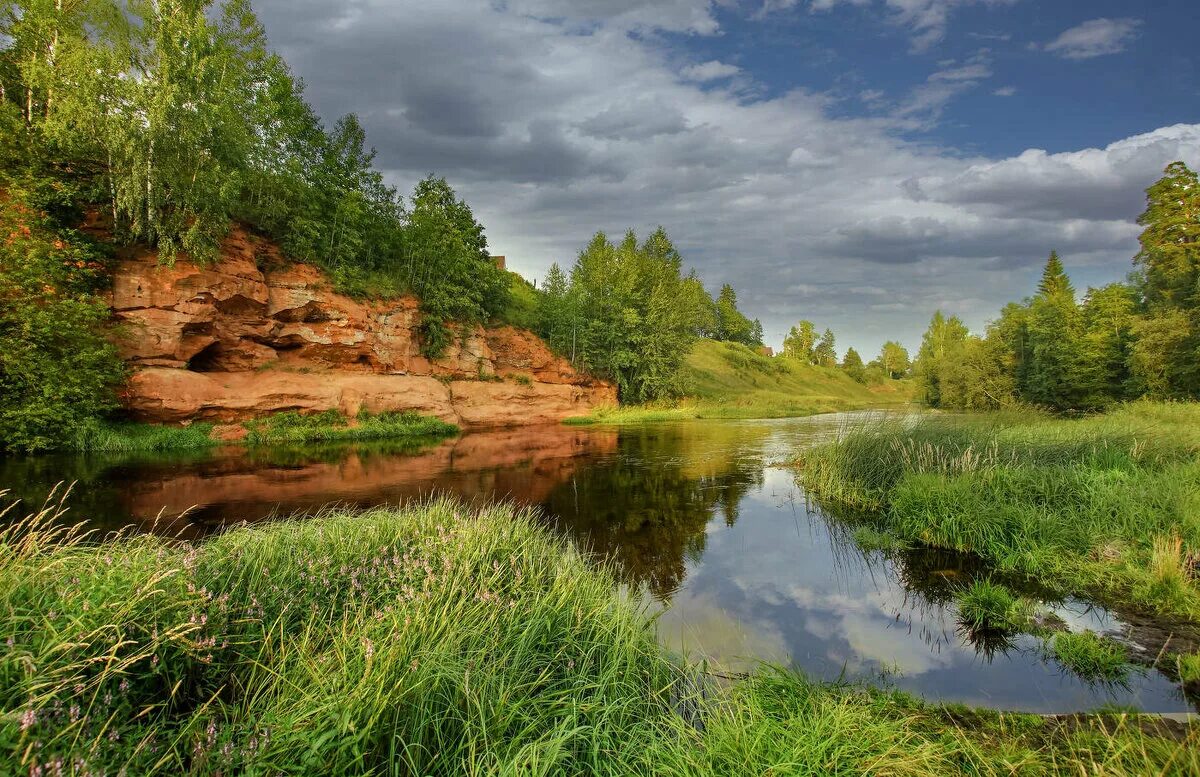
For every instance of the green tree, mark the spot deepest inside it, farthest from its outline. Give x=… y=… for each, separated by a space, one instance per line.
x=1054 y=324
x=627 y=313
x=893 y=359
x=852 y=363
x=449 y=266
x=1169 y=261
x=732 y=324
x=801 y=341
x=1109 y=316
x=941 y=339
x=57 y=371
x=825 y=352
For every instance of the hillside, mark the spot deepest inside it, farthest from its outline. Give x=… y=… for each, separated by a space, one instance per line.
x=728 y=380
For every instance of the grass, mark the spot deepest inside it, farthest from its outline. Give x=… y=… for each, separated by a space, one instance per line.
x=1188 y=666
x=332 y=426
x=434 y=639
x=728 y=380
x=114 y=437
x=988 y=606
x=1091 y=656
x=1107 y=505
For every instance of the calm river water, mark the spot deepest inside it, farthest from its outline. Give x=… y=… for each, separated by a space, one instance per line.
x=698 y=518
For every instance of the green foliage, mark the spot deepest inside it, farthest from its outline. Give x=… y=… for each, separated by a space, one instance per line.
x=1105 y=504
x=332 y=425
x=988 y=606
x=893 y=360
x=731 y=325
x=627 y=314
x=57 y=372
x=1091 y=656
x=522 y=307
x=1122 y=342
x=435 y=639
x=171 y=118
x=938 y=347
x=801 y=342
x=852 y=363
x=825 y=352
x=129 y=437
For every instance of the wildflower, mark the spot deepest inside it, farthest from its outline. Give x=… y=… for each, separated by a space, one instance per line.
x=113 y=735
x=28 y=720
x=124 y=686
x=74 y=712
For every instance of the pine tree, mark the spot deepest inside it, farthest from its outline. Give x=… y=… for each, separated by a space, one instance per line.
x=1054 y=329
x=825 y=352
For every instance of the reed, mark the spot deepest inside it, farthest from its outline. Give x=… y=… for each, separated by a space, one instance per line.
x=1107 y=505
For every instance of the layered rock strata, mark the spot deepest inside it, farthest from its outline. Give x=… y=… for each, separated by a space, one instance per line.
x=252 y=335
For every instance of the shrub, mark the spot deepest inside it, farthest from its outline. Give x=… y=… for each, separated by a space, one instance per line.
x=57 y=372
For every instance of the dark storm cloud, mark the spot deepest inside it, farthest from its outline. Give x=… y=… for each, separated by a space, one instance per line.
x=557 y=119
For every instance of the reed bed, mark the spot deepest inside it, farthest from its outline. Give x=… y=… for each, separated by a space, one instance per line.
x=432 y=639
x=1108 y=504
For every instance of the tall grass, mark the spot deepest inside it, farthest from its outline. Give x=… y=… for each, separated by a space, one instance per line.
x=1108 y=503
x=431 y=639
x=332 y=426
x=113 y=437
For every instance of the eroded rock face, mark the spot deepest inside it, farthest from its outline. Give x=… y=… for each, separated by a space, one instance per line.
x=233 y=341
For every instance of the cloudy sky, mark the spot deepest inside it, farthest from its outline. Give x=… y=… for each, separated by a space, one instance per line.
x=856 y=162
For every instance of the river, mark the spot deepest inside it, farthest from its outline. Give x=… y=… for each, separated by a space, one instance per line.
x=702 y=520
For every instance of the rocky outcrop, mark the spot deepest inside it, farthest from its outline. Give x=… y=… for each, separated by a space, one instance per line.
x=253 y=335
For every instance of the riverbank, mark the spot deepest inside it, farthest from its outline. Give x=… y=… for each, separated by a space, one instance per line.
x=439 y=639
x=731 y=381
x=276 y=429
x=1106 y=505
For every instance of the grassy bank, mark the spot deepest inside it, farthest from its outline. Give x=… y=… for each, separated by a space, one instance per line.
x=435 y=640
x=114 y=437
x=277 y=429
x=333 y=426
x=1107 y=504
x=727 y=380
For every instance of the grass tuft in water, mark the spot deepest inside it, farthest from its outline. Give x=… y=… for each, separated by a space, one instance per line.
x=988 y=606
x=1091 y=656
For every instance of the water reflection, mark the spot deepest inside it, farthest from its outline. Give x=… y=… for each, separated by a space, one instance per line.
x=693 y=517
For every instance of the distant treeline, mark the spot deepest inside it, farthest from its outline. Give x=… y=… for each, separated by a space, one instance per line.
x=802 y=343
x=1140 y=338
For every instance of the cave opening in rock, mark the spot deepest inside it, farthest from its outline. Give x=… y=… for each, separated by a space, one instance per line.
x=207 y=360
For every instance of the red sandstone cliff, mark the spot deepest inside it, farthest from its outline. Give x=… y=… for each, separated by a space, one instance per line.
x=232 y=341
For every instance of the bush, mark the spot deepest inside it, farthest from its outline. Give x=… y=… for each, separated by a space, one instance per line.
x=57 y=372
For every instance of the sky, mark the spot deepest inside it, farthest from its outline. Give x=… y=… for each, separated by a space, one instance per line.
x=859 y=163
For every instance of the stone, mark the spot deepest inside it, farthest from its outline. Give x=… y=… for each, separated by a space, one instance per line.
x=229 y=342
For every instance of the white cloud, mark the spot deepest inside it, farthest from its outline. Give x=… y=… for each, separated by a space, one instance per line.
x=1005 y=91
x=710 y=71
x=1095 y=38
x=552 y=132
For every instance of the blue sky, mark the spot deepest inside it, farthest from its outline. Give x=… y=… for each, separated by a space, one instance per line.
x=859 y=163
x=1150 y=79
